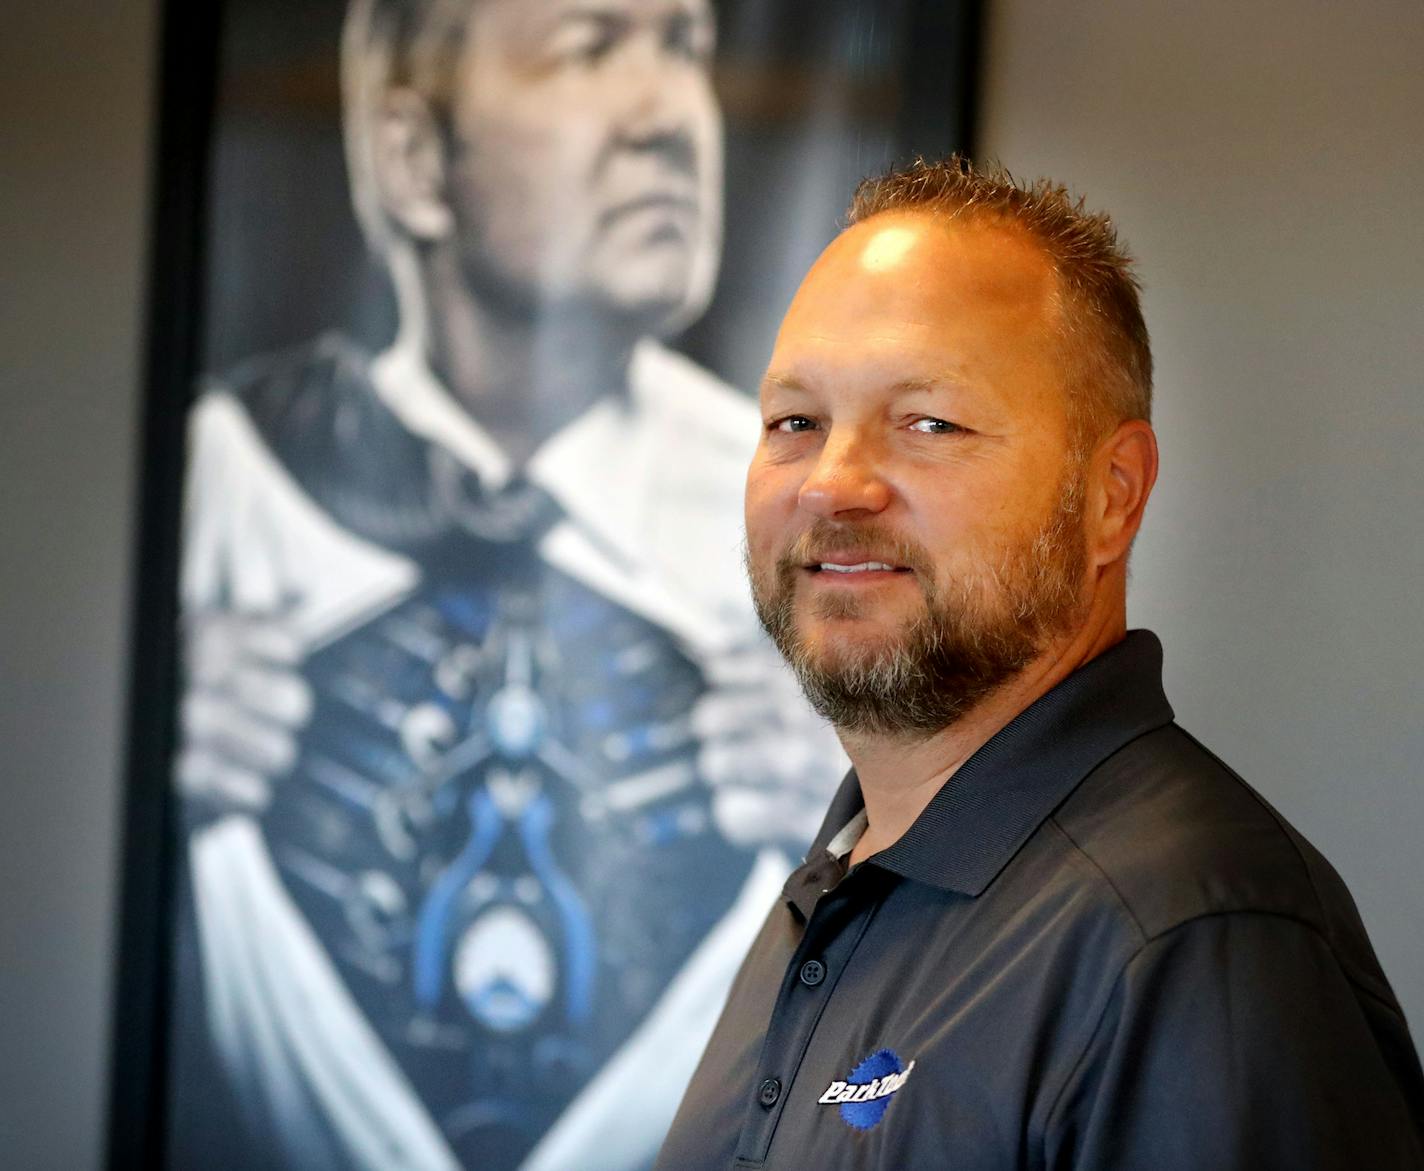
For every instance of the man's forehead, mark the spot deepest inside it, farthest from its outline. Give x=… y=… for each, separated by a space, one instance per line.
x=991 y=257
x=906 y=303
x=914 y=275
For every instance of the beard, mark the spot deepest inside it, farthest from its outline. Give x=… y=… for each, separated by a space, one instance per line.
x=972 y=636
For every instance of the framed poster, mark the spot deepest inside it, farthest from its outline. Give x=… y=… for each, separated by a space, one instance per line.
x=461 y=775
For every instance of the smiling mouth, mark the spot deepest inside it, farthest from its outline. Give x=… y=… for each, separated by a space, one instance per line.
x=855 y=556
x=849 y=569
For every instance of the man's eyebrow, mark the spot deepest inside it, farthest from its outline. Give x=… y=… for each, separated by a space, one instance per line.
x=609 y=12
x=945 y=380
x=781 y=381
x=591 y=13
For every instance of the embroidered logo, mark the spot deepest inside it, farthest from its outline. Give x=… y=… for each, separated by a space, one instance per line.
x=865 y=1095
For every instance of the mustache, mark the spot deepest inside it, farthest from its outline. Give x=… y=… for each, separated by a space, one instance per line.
x=877 y=541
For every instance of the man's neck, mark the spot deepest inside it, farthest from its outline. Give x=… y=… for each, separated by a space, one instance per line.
x=899 y=777
x=522 y=374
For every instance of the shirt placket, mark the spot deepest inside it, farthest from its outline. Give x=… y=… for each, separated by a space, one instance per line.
x=837 y=924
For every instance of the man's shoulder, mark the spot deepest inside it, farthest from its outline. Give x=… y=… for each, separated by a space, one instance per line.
x=1174 y=835
x=300 y=389
x=315 y=409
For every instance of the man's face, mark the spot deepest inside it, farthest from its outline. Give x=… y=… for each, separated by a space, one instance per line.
x=587 y=155
x=916 y=422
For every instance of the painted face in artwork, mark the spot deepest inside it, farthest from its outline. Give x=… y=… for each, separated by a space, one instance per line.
x=586 y=155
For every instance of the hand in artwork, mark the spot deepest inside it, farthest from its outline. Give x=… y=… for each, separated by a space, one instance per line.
x=244 y=706
x=772 y=762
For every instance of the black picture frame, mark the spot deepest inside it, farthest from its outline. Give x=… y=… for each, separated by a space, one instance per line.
x=184 y=100
x=940 y=80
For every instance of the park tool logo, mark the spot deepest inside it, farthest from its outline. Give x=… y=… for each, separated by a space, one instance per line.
x=865 y=1095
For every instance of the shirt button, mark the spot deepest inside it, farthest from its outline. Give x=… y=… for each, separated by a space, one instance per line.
x=770 y=1092
x=812 y=973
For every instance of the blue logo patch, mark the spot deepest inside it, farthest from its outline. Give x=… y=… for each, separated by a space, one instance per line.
x=865 y=1095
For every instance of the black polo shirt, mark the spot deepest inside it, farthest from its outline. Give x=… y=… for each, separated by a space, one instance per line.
x=1096 y=948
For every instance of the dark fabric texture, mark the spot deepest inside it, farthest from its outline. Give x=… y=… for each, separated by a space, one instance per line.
x=1097 y=949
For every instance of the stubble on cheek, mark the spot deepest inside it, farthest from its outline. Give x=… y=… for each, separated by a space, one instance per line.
x=972 y=633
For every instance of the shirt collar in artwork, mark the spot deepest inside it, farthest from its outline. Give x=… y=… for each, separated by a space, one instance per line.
x=986 y=811
x=603 y=469
x=410 y=390
x=563 y=464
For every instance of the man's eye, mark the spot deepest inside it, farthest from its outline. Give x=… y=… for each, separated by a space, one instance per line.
x=587 y=41
x=929 y=426
x=690 y=38
x=793 y=423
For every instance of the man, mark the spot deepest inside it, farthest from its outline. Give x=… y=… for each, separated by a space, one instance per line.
x=472 y=675
x=1041 y=925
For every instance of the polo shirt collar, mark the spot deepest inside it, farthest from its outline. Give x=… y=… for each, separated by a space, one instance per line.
x=1000 y=795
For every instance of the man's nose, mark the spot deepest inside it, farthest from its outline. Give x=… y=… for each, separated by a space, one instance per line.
x=657 y=111
x=846 y=480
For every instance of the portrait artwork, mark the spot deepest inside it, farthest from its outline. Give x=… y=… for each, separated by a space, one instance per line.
x=485 y=773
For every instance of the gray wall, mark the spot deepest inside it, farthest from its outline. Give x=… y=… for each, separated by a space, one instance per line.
x=1267 y=173
x=74 y=88
x=1265 y=161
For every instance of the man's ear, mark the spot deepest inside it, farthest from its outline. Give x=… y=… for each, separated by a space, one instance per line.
x=1124 y=468
x=409 y=160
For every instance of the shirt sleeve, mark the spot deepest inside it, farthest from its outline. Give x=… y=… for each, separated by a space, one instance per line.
x=1237 y=1042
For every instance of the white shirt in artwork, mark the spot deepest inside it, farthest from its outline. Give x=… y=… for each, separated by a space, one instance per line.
x=650 y=487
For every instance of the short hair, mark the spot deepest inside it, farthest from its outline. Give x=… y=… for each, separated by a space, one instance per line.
x=1109 y=353
x=385 y=44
